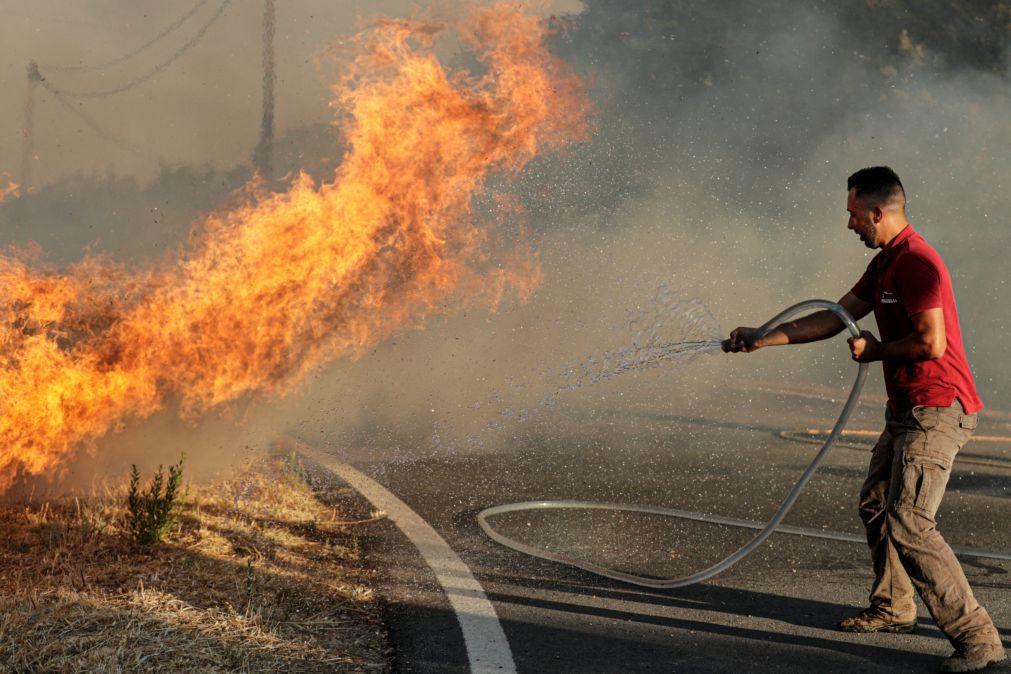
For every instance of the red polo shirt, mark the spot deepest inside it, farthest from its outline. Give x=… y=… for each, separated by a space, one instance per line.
x=908 y=277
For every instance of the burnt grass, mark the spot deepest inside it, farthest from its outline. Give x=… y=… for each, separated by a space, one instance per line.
x=262 y=573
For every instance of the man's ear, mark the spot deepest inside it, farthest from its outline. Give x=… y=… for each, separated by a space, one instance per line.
x=877 y=214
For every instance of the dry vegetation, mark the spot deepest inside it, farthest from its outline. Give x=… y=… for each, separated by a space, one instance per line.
x=260 y=575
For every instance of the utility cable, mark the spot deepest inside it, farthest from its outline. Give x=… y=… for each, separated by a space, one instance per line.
x=103 y=93
x=165 y=32
x=91 y=122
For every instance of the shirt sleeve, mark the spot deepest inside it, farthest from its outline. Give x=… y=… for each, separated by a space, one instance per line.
x=919 y=285
x=864 y=288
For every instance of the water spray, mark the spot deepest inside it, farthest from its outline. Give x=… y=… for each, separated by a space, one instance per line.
x=741 y=553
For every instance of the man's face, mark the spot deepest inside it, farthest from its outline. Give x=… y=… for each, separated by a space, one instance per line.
x=862 y=220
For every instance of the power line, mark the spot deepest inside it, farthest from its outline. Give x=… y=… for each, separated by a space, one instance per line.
x=103 y=93
x=92 y=123
x=264 y=150
x=119 y=59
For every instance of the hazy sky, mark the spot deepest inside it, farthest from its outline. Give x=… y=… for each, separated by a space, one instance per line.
x=203 y=108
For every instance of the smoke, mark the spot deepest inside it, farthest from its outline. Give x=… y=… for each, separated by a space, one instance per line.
x=730 y=130
x=724 y=135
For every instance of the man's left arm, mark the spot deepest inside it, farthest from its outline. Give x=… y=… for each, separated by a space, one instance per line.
x=926 y=341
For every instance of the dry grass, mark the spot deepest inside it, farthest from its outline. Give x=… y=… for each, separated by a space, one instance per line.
x=259 y=576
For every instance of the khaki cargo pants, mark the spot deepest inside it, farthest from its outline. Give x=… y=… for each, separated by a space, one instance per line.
x=908 y=473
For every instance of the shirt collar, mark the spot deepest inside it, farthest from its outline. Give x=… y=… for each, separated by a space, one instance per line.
x=904 y=235
x=900 y=238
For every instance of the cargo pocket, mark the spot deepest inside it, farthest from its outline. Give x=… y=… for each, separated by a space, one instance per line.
x=924 y=479
x=927 y=417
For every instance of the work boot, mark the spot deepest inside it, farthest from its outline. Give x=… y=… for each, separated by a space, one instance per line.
x=873 y=620
x=973 y=656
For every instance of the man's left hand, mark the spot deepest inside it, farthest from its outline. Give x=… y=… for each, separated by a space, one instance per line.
x=866 y=348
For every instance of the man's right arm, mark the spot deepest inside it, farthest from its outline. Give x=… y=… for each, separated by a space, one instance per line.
x=812 y=328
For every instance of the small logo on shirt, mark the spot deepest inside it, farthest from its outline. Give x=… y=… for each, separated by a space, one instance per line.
x=888 y=298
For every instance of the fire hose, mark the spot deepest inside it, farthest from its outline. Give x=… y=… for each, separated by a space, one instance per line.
x=765 y=531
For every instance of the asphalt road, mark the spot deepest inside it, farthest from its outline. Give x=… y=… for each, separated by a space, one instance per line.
x=775 y=610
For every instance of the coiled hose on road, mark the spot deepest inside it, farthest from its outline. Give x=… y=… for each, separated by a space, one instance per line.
x=744 y=551
x=764 y=531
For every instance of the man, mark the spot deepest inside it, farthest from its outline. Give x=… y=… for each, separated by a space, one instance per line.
x=931 y=412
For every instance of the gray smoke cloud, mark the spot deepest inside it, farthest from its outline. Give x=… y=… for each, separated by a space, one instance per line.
x=725 y=132
x=729 y=130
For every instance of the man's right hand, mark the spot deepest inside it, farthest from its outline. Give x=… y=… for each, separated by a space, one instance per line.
x=742 y=340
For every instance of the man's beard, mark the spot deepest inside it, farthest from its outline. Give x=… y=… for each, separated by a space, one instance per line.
x=870 y=237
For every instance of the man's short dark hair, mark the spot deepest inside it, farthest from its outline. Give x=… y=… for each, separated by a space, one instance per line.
x=879 y=184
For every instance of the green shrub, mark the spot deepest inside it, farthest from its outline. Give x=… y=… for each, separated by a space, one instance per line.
x=294 y=473
x=154 y=514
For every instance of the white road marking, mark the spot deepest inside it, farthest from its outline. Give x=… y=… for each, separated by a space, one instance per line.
x=487 y=647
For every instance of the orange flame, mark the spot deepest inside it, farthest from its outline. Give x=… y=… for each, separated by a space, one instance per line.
x=8 y=188
x=265 y=292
